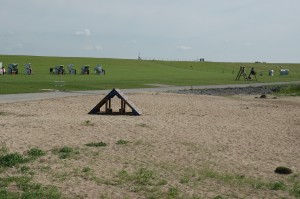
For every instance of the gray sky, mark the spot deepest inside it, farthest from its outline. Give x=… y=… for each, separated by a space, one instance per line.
x=217 y=30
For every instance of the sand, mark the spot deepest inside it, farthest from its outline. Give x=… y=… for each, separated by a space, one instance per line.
x=176 y=134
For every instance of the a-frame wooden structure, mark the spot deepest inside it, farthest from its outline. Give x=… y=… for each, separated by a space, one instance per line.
x=107 y=102
x=241 y=72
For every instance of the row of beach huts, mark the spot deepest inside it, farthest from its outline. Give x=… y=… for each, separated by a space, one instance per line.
x=13 y=69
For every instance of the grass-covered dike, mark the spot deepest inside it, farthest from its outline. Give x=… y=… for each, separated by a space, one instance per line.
x=125 y=73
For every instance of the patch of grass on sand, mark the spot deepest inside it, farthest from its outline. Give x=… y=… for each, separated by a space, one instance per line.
x=143 y=125
x=88 y=123
x=122 y=142
x=8 y=160
x=173 y=192
x=3 y=149
x=143 y=181
x=12 y=159
x=86 y=169
x=24 y=169
x=192 y=177
x=184 y=180
x=219 y=197
x=23 y=187
x=241 y=180
x=295 y=189
x=3 y=113
x=35 y=153
x=65 y=152
x=292 y=186
x=96 y=144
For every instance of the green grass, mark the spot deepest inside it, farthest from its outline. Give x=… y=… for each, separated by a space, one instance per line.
x=65 y=152
x=124 y=73
x=96 y=144
x=3 y=113
x=150 y=184
x=26 y=189
x=12 y=159
x=88 y=123
x=16 y=186
x=143 y=181
x=240 y=180
x=35 y=153
x=293 y=90
x=122 y=142
x=3 y=149
x=295 y=191
x=86 y=169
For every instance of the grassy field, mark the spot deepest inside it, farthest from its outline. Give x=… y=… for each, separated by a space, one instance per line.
x=124 y=73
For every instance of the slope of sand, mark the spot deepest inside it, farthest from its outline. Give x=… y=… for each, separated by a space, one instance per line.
x=176 y=134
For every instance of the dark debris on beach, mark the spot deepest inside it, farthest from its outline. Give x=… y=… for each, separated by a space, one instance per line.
x=232 y=91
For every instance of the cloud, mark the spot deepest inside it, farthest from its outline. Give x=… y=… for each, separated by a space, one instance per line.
x=85 y=32
x=132 y=41
x=98 y=47
x=18 y=46
x=183 y=47
x=93 y=47
x=9 y=33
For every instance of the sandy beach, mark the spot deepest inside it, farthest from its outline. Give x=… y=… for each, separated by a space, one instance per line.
x=177 y=135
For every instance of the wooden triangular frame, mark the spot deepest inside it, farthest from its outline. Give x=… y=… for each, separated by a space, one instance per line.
x=107 y=102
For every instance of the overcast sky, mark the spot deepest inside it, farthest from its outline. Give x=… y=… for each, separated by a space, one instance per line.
x=217 y=30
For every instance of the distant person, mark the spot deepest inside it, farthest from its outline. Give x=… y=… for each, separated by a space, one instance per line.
x=2 y=71
x=252 y=72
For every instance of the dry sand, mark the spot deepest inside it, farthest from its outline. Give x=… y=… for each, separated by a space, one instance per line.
x=177 y=135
